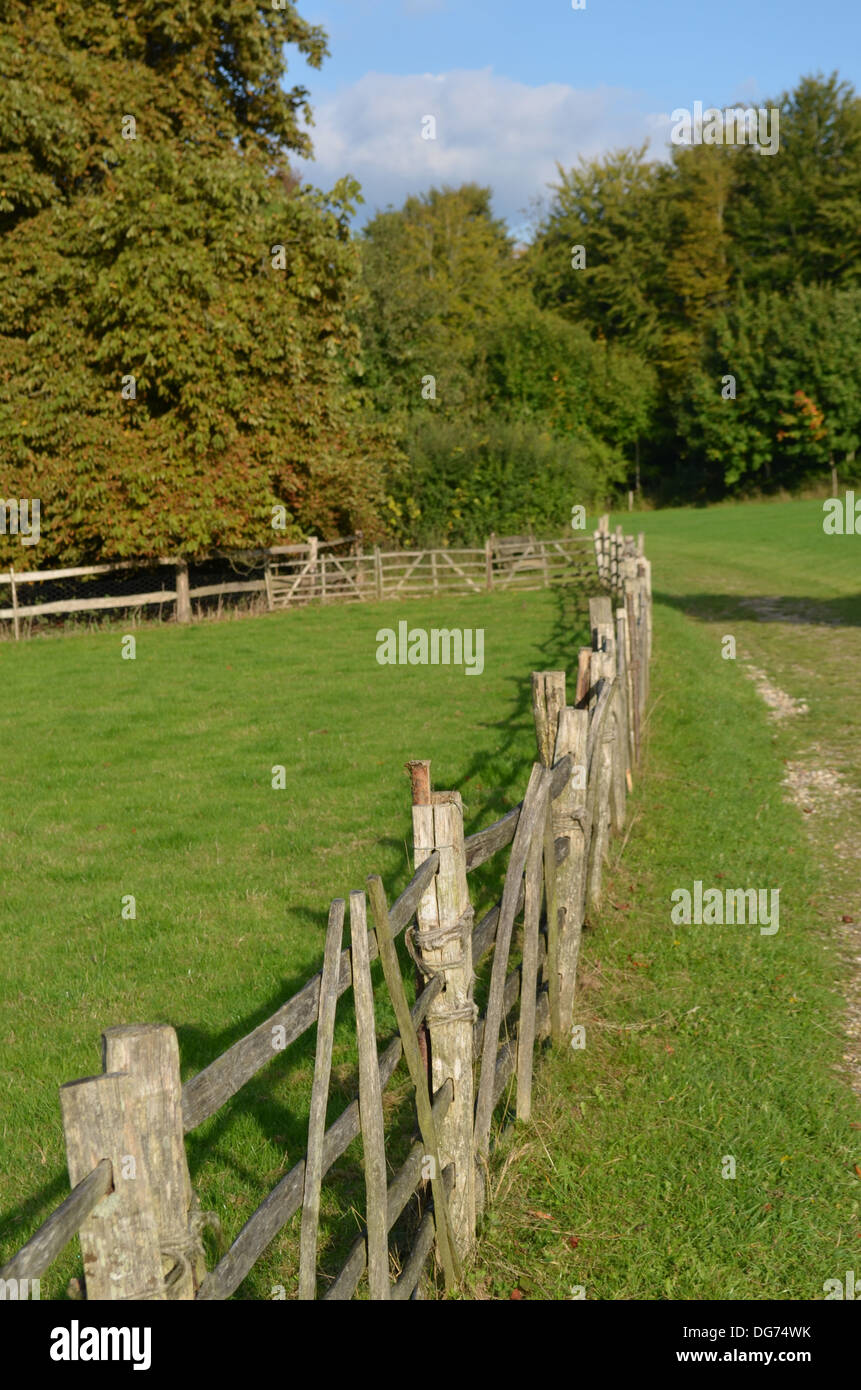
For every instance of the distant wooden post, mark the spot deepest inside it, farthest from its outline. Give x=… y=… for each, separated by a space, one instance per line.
x=378 y=572
x=14 y=602
x=488 y=562
x=313 y=551
x=359 y=551
x=103 y=1117
x=434 y=580
x=267 y=579
x=443 y=941
x=183 y=602
x=150 y=1054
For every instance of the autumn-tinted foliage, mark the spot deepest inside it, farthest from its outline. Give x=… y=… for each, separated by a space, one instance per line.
x=152 y=258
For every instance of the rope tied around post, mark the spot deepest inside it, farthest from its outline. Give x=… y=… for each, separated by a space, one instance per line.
x=186 y=1247
x=434 y=939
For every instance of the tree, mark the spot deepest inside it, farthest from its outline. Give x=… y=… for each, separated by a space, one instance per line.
x=167 y=373
x=797 y=411
x=615 y=208
x=796 y=216
x=437 y=274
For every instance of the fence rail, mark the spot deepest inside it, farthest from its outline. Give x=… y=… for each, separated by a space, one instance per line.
x=290 y=576
x=142 y=1239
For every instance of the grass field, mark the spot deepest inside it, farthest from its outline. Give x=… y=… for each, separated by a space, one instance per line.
x=153 y=778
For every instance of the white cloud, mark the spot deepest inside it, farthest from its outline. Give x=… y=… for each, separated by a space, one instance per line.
x=490 y=130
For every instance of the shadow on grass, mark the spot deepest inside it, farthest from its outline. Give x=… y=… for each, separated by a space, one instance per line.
x=768 y=608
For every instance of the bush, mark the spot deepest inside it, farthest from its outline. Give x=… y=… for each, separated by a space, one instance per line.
x=495 y=475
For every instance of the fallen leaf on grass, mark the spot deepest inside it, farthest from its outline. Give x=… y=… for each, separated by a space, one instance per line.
x=515 y=1293
x=544 y=1215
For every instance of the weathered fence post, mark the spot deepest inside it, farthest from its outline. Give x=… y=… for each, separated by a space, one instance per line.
x=488 y=562
x=378 y=572
x=604 y=641
x=14 y=601
x=183 y=602
x=267 y=579
x=569 y=820
x=600 y=778
x=313 y=552
x=443 y=942
x=548 y=701
x=103 y=1117
x=623 y=675
x=149 y=1053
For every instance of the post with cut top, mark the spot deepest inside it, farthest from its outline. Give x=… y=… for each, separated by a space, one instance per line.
x=149 y=1053
x=103 y=1118
x=442 y=942
x=183 y=601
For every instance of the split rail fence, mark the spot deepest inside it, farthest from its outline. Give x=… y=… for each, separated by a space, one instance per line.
x=142 y=1239
x=290 y=576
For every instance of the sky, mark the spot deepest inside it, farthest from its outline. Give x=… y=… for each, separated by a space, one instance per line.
x=516 y=85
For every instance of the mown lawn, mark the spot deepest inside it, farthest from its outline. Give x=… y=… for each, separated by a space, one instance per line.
x=152 y=778
x=708 y=1043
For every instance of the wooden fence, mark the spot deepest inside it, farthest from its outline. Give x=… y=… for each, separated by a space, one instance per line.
x=141 y=1239
x=289 y=576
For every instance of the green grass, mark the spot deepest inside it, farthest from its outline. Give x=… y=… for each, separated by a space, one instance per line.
x=705 y=1042
x=152 y=778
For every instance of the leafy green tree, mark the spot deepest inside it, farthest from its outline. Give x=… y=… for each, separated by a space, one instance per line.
x=437 y=274
x=796 y=364
x=617 y=210
x=795 y=216
x=167 y=374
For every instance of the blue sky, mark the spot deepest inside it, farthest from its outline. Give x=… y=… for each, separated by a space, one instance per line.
x=515 y=85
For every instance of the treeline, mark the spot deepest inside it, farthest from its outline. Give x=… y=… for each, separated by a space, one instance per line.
x=191 y=341
x=690 y=328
